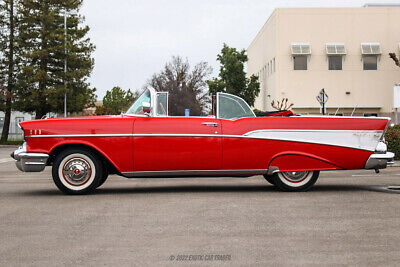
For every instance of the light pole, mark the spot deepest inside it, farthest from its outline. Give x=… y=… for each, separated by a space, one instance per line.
x=65 y=62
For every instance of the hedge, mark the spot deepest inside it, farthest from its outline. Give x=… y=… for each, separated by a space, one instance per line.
x=392 y=138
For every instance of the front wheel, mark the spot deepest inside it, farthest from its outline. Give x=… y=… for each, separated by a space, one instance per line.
x=77 y=171
x=295 y=181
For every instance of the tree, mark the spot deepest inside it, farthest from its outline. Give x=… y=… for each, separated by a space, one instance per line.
x=46 y=48
x=9 y=58
x=116 y=101
x=281 y=105
x=232 y=77
x=187 y=88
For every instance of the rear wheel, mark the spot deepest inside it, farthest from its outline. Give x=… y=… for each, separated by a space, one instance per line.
x=77 y=171
x=270 y=178
x=295 y=181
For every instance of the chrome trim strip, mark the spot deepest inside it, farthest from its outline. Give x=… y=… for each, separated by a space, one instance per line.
x=387 y=155
x=272 y=170
x=185 y=173
x=78 y=135
x=246 y=135
x=302 y=131
x=343 y=117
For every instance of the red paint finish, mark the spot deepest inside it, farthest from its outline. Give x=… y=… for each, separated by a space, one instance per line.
x=258 y=154
x=118 y=150
x=241 y=153
x=159 y=153
x=195 y=146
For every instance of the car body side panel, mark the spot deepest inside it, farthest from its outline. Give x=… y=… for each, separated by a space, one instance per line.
x=253 y=143
x=51 y=133
x=177 y=143
x=243 y=153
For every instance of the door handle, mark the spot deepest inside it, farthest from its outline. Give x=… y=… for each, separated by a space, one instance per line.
x=210 y=124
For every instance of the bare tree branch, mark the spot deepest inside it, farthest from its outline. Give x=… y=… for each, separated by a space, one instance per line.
x=395 y=59
x=281 y=105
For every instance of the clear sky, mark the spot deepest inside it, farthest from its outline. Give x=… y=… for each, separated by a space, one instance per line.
x=135 y=38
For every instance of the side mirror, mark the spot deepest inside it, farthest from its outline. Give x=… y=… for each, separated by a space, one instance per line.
x=146 y=107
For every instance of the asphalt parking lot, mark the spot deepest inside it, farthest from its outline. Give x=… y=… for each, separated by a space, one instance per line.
x=347 y=218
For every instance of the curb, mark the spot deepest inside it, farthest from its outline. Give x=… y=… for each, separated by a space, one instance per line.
x=395 y=164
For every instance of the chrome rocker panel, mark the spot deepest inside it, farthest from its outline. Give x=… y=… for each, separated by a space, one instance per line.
x=29 y=162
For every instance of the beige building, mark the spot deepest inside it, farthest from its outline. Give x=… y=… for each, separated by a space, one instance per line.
x=299 y=51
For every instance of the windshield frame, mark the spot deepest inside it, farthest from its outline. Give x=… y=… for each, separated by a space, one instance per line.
x=153 y=103
x=233 y=96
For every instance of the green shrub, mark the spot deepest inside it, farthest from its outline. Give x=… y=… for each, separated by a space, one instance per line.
x=392 y=138
x=12 y=142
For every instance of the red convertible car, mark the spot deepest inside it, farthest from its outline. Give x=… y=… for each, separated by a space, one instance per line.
x=288 y=150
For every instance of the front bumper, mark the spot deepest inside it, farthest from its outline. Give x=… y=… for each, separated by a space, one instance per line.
x=29 y=162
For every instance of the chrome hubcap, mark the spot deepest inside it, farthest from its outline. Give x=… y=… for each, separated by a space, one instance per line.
x=295 y=176
x=77 y=171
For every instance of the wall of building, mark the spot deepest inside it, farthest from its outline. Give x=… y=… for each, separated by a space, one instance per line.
x=262 y=62
x=370 y=90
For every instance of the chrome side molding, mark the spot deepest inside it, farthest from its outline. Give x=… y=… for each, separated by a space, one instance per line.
x=192 y=173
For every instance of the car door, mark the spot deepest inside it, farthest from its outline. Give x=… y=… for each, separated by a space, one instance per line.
x=162 y=144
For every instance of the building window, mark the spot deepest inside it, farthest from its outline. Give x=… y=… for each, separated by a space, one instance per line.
x=335 y=62
x=300 y=62
x=300 y=53
x=370 y=53
x=370 y=62
x=335 y=52
x=370 y=114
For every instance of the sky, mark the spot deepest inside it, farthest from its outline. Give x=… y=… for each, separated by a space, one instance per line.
x=135 y=38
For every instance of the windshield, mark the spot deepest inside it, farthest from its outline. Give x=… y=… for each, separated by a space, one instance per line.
x=137 y=107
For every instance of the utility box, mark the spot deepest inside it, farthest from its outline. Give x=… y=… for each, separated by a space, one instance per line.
x=396 y=96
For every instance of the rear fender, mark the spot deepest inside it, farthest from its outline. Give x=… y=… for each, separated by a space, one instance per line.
x=295 y=161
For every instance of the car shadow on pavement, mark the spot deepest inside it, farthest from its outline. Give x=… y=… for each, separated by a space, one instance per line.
x=220 y=188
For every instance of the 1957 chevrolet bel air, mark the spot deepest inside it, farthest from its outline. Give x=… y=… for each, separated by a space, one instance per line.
x=289 y=151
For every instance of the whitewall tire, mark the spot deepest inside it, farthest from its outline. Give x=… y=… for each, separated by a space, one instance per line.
x=295 y=181
x=77 y=171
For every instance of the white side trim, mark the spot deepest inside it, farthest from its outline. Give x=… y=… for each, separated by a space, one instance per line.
x=366 y=140
x=359 y=139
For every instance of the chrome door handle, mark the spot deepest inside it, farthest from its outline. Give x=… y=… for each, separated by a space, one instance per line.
x=210 y=124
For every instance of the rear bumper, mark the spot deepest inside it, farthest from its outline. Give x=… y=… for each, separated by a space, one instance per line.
x=379 y=161
x=29 y=162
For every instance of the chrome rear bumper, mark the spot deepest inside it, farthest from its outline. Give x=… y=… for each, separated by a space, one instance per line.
x=29 y=162
x=379 y=161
